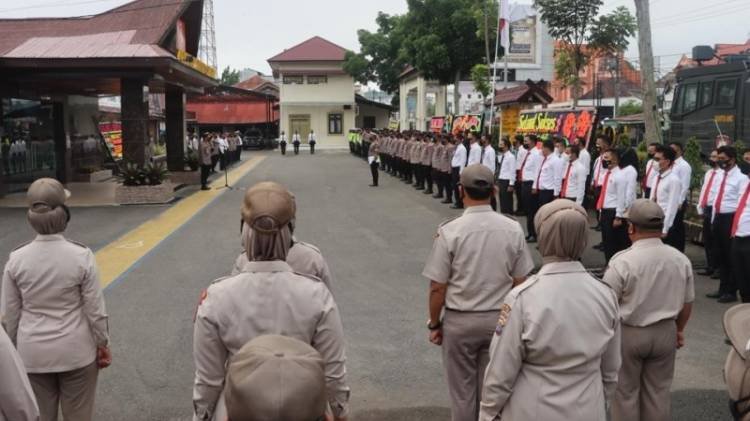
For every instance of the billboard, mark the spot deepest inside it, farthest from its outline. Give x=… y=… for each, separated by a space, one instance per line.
x=467 y=123
x=112 y=133
x=523 y=34
x=566 y=123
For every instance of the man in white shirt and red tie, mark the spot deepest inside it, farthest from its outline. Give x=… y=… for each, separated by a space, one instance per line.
x=684 y=172
x=732 y=183
x=651 y=172
x=488 y=158
x=709 y=191
x=520 y=154
x=574 y=176
x=667 y=192
x=458 y=163
x=506 y=177
x=475 y=150
x=548 y=179
x=741 y=244
x=612 y=204
x=529 y=172
x=603 y=144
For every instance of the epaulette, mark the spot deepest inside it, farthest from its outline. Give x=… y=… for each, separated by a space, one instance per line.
x=216 y=281
x=307 y=275
x=76 y=243
x=308 y=245
x=21 y=246
x=449 y=220
x=510 y=301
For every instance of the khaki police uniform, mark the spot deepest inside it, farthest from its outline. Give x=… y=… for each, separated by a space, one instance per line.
x=304 y=258
x=54 y=312
x=653 y=281
x=17 y=402
x=477 y=255
x=266 y=298
x=556 y=351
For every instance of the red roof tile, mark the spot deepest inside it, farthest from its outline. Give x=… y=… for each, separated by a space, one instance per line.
x=246 y=112
x=314 y=49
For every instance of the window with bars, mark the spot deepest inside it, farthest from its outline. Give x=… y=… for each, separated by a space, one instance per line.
x=293 y=80
x=317 y=79
x=335 y=123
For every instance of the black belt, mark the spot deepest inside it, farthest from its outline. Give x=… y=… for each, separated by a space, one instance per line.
x=470 y=311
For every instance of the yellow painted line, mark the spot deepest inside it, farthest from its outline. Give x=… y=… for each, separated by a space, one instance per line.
x=117 y=257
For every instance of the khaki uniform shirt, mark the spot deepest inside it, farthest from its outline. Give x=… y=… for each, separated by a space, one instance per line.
x=17 y=401
x=304 y=259
x=478 y=255
x=266 y=298
x=374 y=148
x=427 y=149
x=652 y=281
x=53 y=306
x=437 y=156
x=448 y=152
x=415 y=154
x=205 y=153
x=556 y=350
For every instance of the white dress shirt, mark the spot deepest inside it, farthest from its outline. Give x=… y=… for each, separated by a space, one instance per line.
x=626 y=179
x=709 y=193
x=311 y=137
x=520 y=155
x=599 y=172
x=683 y=171
x=743 y=225
x=666 y=192
x=576 y=181
x=223 y=144
x=475 y=154
x=549 y=176
x=489 y=158
x=585 y=159
x=508 y=168
x=530 y=169
x=735 y=182
x=610 y=190
x=652 y=172
x=459 y=157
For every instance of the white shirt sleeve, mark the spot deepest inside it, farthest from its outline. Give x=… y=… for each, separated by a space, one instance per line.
x=581 y=183
x=673 y=203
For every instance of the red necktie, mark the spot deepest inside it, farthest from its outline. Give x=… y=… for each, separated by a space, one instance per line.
x=644 y=183
x=720 y=196
x=523 y=164
x=539 y=174
x=565 y=181
x=656 y=189
x=740 y=209
x=704 y=200
x=600 y=202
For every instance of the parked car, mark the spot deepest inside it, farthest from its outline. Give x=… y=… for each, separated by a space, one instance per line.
x=253 y=138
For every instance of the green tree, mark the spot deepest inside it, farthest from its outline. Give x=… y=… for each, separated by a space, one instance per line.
x=630 y=108
x=611 y=33
x=479 y=77
x=230 y=76
x=693 y=157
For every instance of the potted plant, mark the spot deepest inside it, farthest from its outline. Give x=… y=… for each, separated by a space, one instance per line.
x=144 y=185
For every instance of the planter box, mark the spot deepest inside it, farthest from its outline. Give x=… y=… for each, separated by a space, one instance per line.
x=182 y=178
x=144 y=195
x=94 y=177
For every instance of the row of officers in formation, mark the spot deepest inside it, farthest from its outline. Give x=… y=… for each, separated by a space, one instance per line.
x=537 y=172
x=556 y=345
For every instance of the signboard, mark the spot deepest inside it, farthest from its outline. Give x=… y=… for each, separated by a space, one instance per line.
x=523 y=34
x=436 y=124
x=393 y=124
x=467 y=123
x=566 y=123
x=196 y=64
x=509 y=118
x=112 y=134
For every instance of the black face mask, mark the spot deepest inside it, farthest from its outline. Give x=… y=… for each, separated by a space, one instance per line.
x=606 y=164
x=713 y=164
x=526 y=146
x=650 y=156
x=723 y=164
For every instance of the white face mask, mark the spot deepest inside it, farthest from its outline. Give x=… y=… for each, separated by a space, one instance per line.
x=566 y=156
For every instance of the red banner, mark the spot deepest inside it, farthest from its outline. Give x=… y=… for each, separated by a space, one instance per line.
x=570 y=124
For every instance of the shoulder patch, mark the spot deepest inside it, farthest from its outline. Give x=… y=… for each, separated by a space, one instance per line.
x=21 y=246
x=510 y=299
x=503 y=319
x=77 y=243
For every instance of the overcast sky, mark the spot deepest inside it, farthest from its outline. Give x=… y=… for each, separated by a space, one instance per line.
x=250 y=32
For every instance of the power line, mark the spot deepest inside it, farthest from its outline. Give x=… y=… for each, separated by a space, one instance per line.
x=699 y=10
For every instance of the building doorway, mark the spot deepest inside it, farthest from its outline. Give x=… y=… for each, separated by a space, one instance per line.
x=301 y=124
x=369 y=122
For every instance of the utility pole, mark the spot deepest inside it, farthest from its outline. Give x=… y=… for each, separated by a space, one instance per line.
x=645 y=50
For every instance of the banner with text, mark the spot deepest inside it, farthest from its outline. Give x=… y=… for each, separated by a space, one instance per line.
x=467 y=123
x=570 y=124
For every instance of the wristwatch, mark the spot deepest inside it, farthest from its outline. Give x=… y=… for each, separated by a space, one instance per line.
x=435 y=326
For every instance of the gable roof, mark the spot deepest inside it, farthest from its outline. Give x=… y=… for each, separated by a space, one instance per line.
x=529 y=92
x=314 y=49
x=138 y=28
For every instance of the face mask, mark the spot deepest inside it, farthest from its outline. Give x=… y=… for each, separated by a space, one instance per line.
x=650 y=156
x=606 y=164
x=723 y=164
x=713 y=164
x=525 y=146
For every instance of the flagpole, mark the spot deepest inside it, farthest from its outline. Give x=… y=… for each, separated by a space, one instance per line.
x=494 y=70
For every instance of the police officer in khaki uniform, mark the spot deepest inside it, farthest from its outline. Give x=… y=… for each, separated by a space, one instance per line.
x=475 y=260
x=17 y=402
x=654 y=284
x=53 y=309
x=266 y=298
x=556 y=350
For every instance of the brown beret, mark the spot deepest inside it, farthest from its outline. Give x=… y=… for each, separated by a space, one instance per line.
x=646 y=213
x=271 y=200
x=47 y=191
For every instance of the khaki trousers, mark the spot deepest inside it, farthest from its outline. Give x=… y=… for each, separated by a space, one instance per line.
x=73 y=391
x=466 y=353
x=645 y=379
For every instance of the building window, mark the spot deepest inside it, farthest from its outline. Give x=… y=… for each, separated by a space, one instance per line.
x=317 y=79
x=292 y=80
x=335 y=123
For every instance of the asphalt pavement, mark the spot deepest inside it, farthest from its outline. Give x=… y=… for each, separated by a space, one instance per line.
x=375 y=240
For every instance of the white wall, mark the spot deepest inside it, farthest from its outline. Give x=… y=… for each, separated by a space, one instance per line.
x=382 y=116
x=319 y=123
x=339 y=89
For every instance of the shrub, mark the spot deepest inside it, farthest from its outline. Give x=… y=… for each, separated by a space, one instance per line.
x=693 y=157
x=149 y=175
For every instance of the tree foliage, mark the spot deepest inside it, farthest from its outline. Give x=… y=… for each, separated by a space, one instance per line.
x=479 y=77
x=611 y=33
x=630 y=108
x=230 y=76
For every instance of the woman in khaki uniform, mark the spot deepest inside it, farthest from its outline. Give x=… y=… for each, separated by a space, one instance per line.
x=556 y=350
x=54 y=310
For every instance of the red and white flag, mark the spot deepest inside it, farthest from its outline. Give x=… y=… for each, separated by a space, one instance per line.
x=504 y=24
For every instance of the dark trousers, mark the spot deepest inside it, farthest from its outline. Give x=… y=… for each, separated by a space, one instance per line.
x=205 y=171
x=214 y=161
x=428 y=177
x=708 y=239
x=506 y=197
x=296 y=148
x=517 y=187
x=741 y=266
x=418 y=175
x=545 y=196
x=529 y=206
x=597 y=193
x=676 y=234
x=282 y=145
x=455 y=179
x=374 y=171
x=312 y=148
x=223 y=161
x=587 y=198
x=722 y=227
x=615 y=239
x=437 y=178
x=647 y=193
